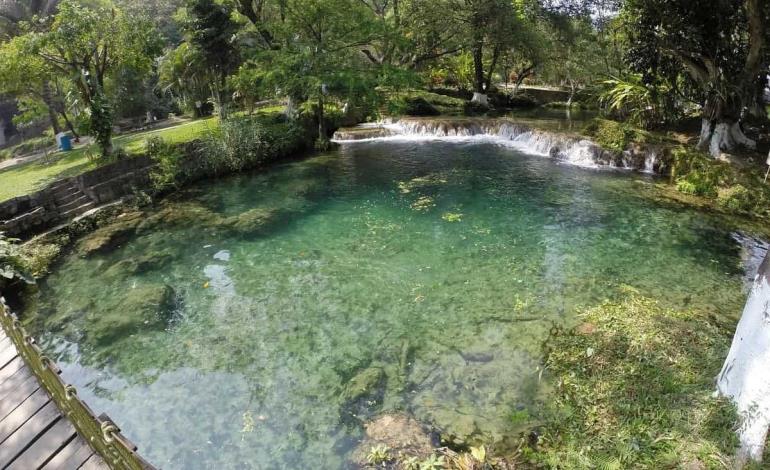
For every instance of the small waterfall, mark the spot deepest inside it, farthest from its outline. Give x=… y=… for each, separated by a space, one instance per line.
x=565 y=148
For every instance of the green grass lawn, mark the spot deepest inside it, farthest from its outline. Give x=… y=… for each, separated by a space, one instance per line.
x=30 y=177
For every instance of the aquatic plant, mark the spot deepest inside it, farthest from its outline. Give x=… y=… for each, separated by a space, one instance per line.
x=379 y=455
x=433 y=462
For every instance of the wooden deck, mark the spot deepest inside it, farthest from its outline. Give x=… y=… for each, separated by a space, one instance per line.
x=33 y=432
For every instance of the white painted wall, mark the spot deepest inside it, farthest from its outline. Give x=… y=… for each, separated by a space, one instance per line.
x=745 y=376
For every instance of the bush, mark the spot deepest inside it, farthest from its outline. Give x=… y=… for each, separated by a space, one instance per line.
x=611 y=135
x=12 y=269
x=735 y=198
x=697 y=173
x=412 y=106
x=247 y=142
x=168 y=158
x=686 y=187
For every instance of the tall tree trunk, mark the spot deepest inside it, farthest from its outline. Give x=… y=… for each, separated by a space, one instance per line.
x=71 y=128
x=47 y=96
x=478 y=66
x=479 y=97
x=492 y=66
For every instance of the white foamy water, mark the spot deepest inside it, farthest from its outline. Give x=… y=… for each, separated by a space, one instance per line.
x=564 y=148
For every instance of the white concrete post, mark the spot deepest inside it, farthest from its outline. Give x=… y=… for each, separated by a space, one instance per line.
x=745 y=376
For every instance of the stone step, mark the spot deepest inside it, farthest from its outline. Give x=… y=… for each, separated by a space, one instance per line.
x=65 y=183
x=68 y=197
x=78 y=210
x=74 y=203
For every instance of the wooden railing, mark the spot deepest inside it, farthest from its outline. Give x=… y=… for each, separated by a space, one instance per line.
x=101 y=433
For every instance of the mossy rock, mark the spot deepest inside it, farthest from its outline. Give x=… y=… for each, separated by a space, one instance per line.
x=107 y=238
x=180 y=214
x=363 y=384
x=252 y=221
x=138 y=265
x=142 y=308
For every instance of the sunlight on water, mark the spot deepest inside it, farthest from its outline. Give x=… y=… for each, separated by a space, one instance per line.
x=430 y=272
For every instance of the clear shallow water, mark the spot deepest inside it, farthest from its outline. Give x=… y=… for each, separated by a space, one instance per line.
x=434 y=269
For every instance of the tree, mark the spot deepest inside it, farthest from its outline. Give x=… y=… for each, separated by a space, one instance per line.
x=490 y=30
x=85 y=43
x=319 y=54
x=721 y=48
x=212 y=31
x=183 y=73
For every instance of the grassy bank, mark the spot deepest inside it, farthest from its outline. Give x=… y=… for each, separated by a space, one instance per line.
x=634 y=388
x=29 y=177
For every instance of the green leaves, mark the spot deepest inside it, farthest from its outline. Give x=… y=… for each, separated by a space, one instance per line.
x=11 y=265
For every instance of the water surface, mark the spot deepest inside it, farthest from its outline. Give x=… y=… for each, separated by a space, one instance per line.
x=434 y=270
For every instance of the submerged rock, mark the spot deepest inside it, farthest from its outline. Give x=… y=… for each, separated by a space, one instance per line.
x=251 y=221
x=363 y=384
x=110 y=236
x=142 y=308
x=403 y=435
x=138 y=265
x=173 y=214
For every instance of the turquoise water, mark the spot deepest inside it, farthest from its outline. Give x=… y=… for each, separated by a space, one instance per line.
x=429 y=272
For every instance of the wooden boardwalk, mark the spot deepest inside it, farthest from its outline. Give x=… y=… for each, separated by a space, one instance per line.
x=33 y=432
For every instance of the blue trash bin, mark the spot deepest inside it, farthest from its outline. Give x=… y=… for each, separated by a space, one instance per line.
x=65 y=142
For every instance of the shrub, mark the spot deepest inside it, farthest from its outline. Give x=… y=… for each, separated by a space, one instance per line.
x=611 y=135
x=247 y=142
x=412 y=106
x=697 y=173
x=684 y=186
x=12 y=267
x=736 y=198
x=168 y=159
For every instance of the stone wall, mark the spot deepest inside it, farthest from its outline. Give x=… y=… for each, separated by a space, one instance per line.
x=65 y=199
x=744 y=376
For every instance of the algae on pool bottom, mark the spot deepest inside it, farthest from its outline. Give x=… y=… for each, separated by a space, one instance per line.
x=263 y=317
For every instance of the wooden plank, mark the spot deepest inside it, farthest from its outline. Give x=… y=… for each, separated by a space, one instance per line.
x=22 y=413
x=21 y=393
x=94 y=463
x=4 y=343
x=71 y=457
x=11 y=368
x=7 y=355
x=45 y=447
x=14 y=381
x=27 y=433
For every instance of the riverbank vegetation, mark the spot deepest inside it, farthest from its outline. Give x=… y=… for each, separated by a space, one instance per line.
x=244 y=83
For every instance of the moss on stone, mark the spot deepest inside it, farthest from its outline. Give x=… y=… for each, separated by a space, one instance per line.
x=363 y=384
x=141 y=308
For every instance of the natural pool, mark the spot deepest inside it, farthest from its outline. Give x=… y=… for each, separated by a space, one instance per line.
x=269 y=314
